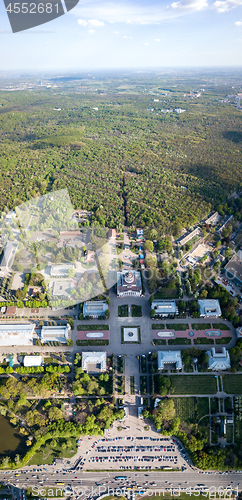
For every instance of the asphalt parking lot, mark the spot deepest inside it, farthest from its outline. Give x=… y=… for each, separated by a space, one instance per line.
x=131 y=453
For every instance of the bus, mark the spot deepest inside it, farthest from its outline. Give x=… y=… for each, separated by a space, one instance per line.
x=121 y=477
x=60 y=484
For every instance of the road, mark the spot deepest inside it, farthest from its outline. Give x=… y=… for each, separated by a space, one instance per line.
x=87 y=480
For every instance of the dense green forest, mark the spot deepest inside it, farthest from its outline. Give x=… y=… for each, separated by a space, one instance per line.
x=117 y=153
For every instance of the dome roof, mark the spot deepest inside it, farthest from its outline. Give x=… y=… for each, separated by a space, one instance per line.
x=129 y=277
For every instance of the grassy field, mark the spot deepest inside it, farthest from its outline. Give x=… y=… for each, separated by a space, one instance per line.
x=202 y=407
x=214 y=405
x=46 y=453
x=158 y=326
x=166 y=293
x=194 y=384
x=229 y=433
x=185 y=408
x=232 y=384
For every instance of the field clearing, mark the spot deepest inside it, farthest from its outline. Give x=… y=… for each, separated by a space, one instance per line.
x=194 y=384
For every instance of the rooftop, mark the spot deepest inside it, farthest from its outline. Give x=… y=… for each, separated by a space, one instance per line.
x=94 y=308
x=209 y=307
x=95 y=361
x=234 y=267
x=218 y=360
x=54 y=334
x=32 y=360
x=169 y=357
x=164 y=307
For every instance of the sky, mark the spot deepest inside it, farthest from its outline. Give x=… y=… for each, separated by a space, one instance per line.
x=128 y=34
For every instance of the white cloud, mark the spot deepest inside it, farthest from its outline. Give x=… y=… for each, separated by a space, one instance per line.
x=95 y=22
x=131 y=13
x=91 y=31
x=127 y=37
x=226 y=5
x=191 y=5
x=146 y=44
x=157 y=39
x=82 y=22
x=238 y=23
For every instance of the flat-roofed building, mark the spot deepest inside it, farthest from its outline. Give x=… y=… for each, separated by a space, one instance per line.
x=189 y=236
x=224 y=223
x=17 y=334
x=164 y=307
x=54 y=334
x=62 y=288
x=8 y=255
x=95 y=308
x=212 y=219
x=234 y=269
x=32 y=360
x=169 y=360
x=209 y=308
x=129 y=283
x=218 y=360
x=60 y=270
x=95 y=361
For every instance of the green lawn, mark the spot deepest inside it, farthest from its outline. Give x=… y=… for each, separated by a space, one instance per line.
x=158 y=326
x=89 y=326
x=136 y=311
x=203 y=340
x=177 y=326
x=223 y=340
x=201 y=326
x=220 y=326
x=92 y=342
x=194 y=384
x=179 y=341
x=123 y=311
x=232 y=384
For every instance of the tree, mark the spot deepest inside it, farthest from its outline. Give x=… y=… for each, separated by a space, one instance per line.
x=146 y=413
x=55 y=413
x=71 y=323
x=148 y=246
x=5 y=462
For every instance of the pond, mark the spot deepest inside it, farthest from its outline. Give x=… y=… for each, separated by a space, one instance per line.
x=10 y=441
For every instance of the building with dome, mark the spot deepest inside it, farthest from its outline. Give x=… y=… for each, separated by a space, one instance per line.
x=129 y=283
